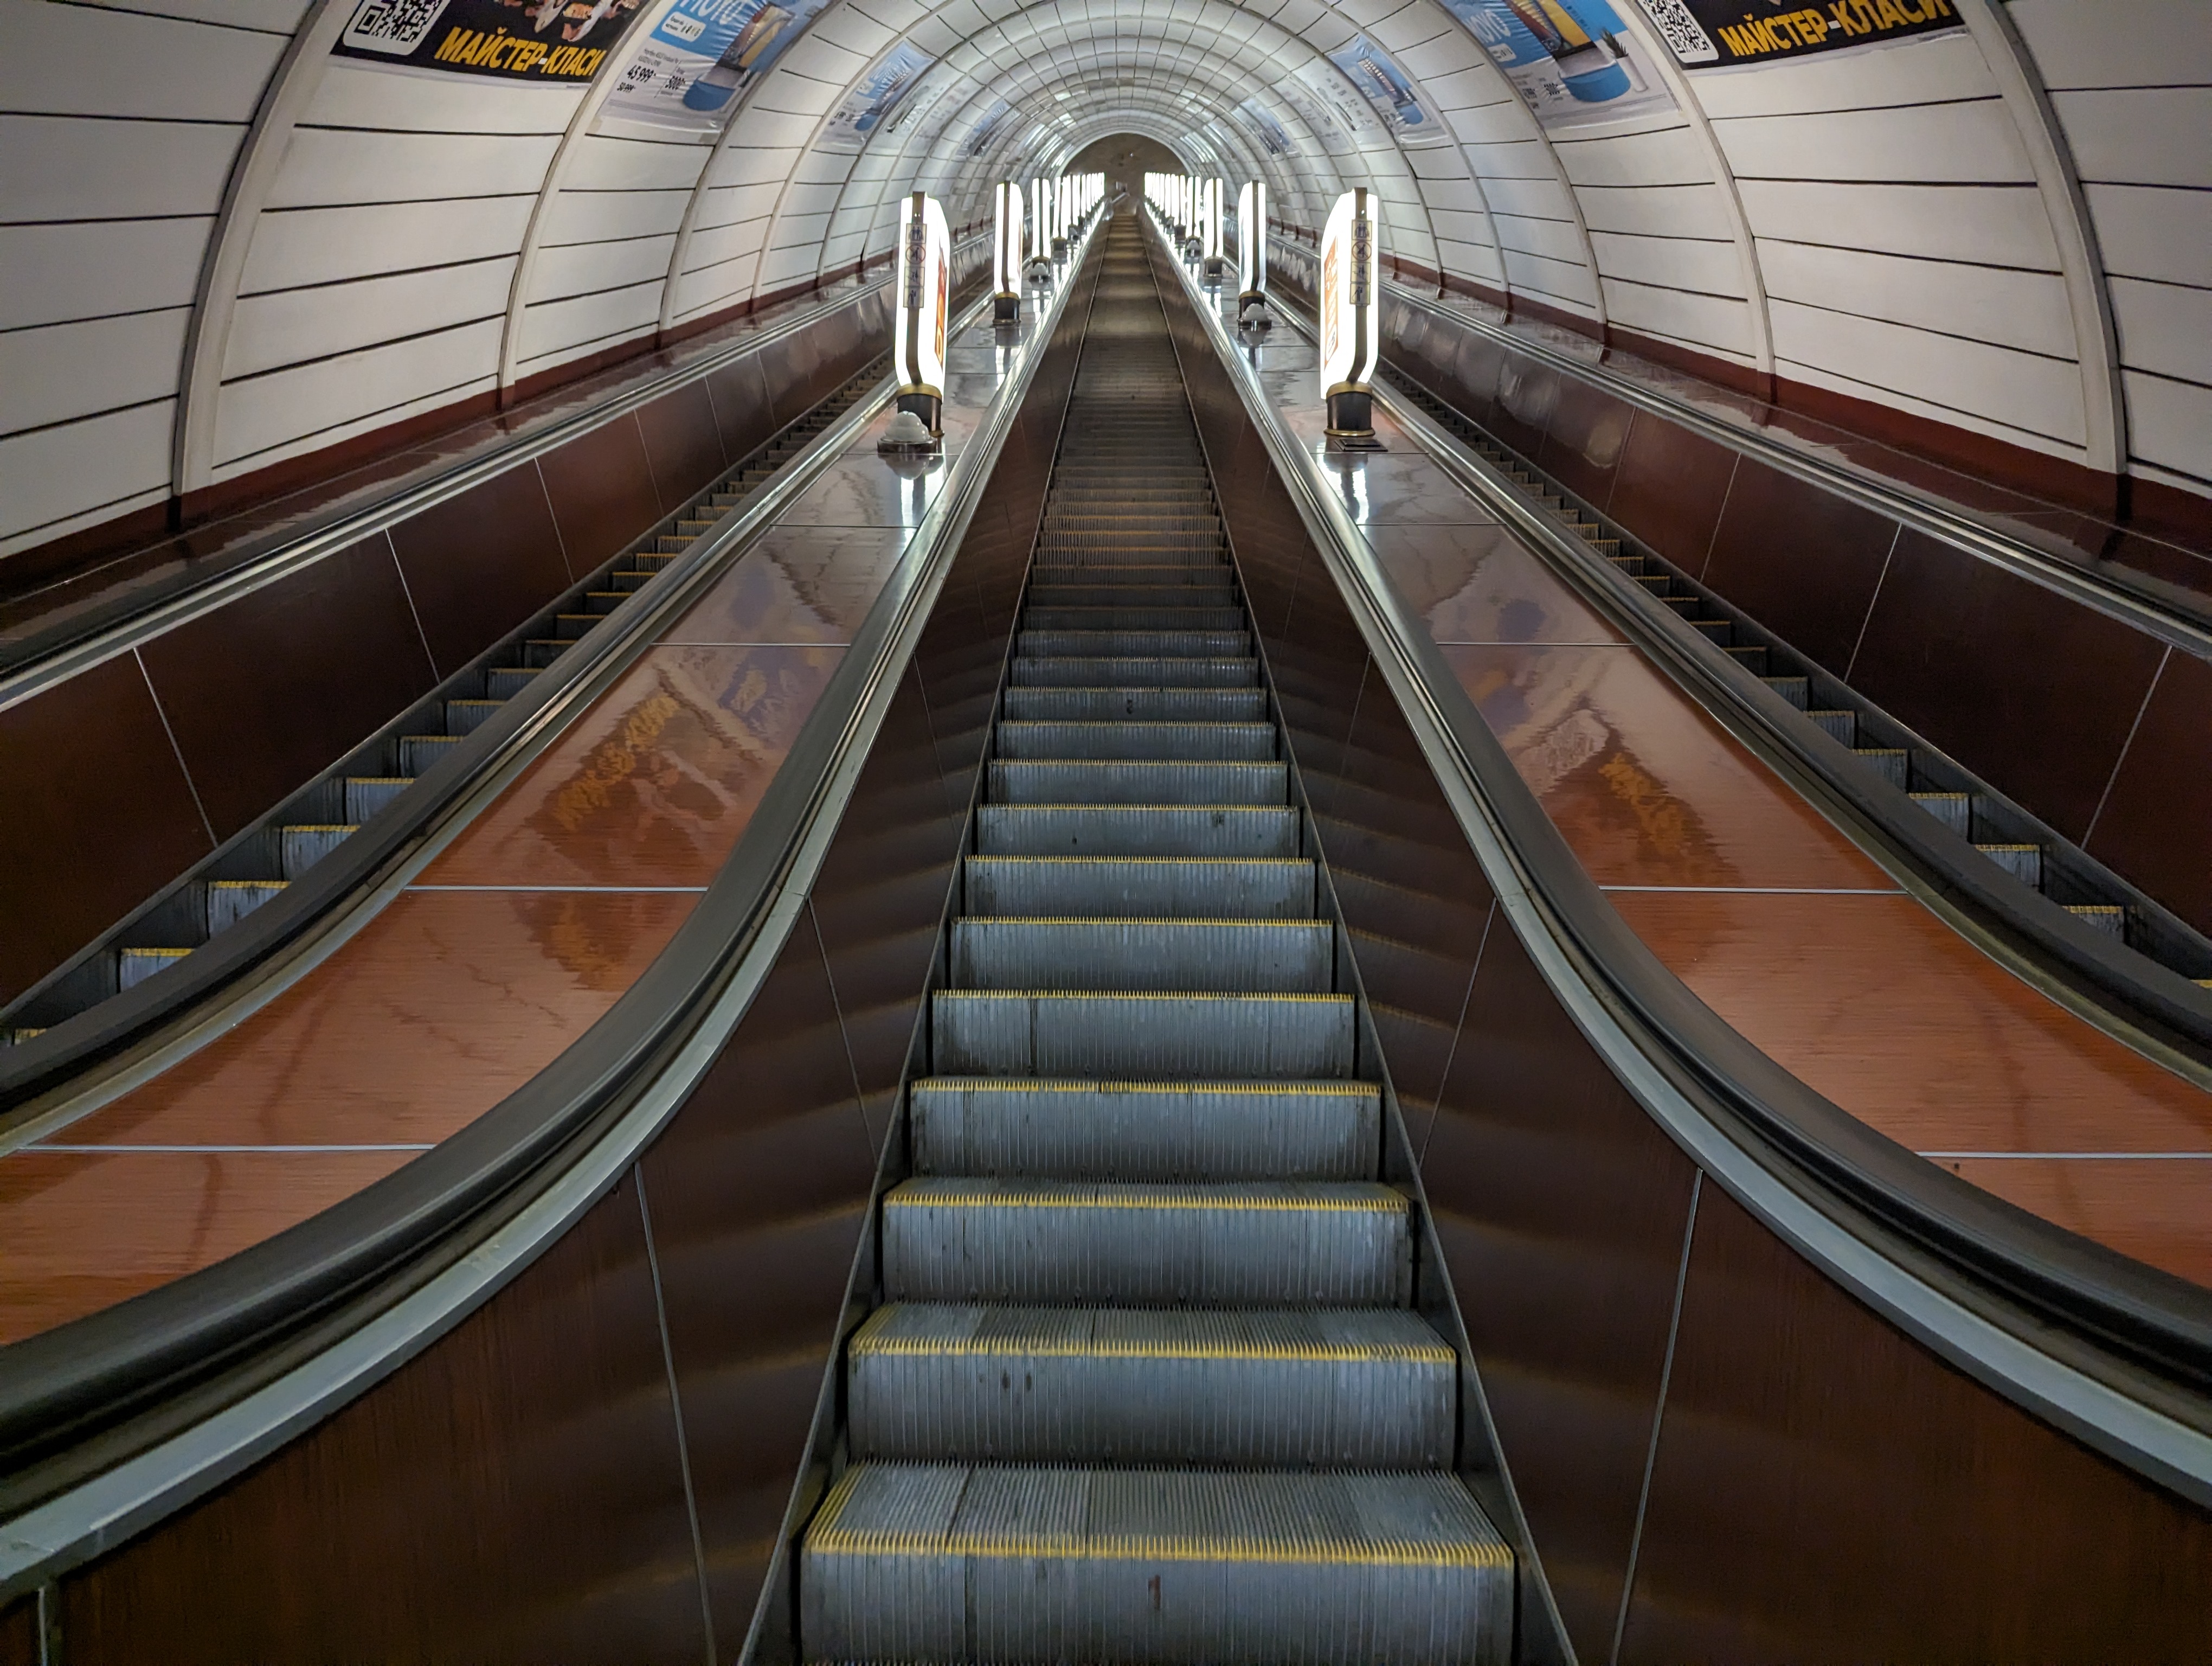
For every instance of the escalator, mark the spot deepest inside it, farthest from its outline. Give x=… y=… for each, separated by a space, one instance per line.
x=1147 y=1385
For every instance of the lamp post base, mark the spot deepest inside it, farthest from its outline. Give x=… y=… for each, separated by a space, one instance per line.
x=1006 y=309
x=1351 y=420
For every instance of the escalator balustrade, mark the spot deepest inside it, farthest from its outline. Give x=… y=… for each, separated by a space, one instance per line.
x=1146 y=1384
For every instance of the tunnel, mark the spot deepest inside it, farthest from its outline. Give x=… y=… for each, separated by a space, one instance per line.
x=1085 y=831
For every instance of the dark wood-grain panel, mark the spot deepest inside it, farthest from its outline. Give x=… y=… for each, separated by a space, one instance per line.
x=2156 y=824
x=1669 y=489
x=1804 y=564
x=2038 y=691
x=811 y=585
x=743 y=415
x=445 y=1003
x=99 y=815
x=19 y=1633
x=655 y=785
x=479 y=565
x=1648 y=788
x=514 y=1495
x=759 y=1193
x=600 y=485
x=682 y=446
x=266 y=693
x=1828 y=1490
x=81 y=1231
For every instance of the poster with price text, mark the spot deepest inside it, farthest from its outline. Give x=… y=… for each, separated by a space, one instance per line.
x=869 y=105
x=540 y=42
x=688 y=75
x=1574 y=61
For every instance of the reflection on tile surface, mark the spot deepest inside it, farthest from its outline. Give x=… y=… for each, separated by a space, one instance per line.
x=81 y=1232
x=1647 y=789
x=1399 y=486
x=810 y=585
x=1877 y=1004
x=1479 y=584
x=447 y=1002
x=655 y=785
x=2154 y=1209
x=863 y=490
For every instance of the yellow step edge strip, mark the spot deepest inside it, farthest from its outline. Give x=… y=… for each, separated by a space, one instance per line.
x=1177 y=861
x=833 y=1540
x=1063 y=1085
x=1121 y=919
x=1316 y=1353
x=1128 y=994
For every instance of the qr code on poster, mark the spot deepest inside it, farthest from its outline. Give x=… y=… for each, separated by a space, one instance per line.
x=391 y=26
x=1684 y=36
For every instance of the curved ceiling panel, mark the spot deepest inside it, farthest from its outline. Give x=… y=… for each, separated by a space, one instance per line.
x=1985 y=225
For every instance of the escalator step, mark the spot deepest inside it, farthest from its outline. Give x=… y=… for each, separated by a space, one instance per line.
x=1186 y=742
x=1069 y=1129
x=418 y=752
x=1132 y=644
x=1798 y=690
x=1954 y=810
x=1052 y=1032
x=1128 y=886
x=302 y=847
x=1120 y=614
x=508 y=681
x=1364 y=1388
x=2023 y=861
x=1014 y=1563
x=1324 y=1243
x=1892 y=764
x=229 y=901
x=1076 y=953
x=466 y=717
x=367 y=794
x=2106 y=917
x=1151 y=781
x=1843 y=726
x=1142 y=705
x=1058 y=576
x=1136 y=829
x=1221 y=673
x=134 y=966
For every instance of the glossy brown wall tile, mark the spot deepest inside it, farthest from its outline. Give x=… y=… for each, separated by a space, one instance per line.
x=1669 y=489
x=2156 y=825
x=98 y=815
x=1585 y=438
x=479 y=565
x=1804 y=565
x=1828 y=1490
x=264 y=694
x=512 y=1495
x=19 y=1633
x=600 y=485
x=2038 y=691
x=743 y=415
x=683 y=446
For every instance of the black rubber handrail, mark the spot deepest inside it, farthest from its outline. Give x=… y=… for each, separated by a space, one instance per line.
x=79 y=1399
x=2142 y=1333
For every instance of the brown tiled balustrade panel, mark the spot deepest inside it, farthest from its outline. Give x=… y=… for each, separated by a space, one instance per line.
x=517 y=1494
x=1824 y=1489
x=19 y=1633
x=107 y=776
x=2033 y=692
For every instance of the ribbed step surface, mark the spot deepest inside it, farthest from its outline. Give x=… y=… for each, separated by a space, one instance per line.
x=1145 y=1277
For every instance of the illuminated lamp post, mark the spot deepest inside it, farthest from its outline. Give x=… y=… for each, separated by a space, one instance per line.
x=1006 y=255
x=921 y=288
x=1350 y=328
x=1252 y=255
x=1059 y=218
x=1039 y=266
x=1217 y=264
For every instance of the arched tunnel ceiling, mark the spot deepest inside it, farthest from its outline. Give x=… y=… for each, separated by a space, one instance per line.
x=236 y=250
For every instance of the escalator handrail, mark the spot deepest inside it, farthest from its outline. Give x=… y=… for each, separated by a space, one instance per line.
x=114 y=1420
x=2177 y=619
x=41 y=660
x=2118 y=1353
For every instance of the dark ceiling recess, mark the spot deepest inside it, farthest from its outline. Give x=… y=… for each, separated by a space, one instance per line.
x=1125 y=159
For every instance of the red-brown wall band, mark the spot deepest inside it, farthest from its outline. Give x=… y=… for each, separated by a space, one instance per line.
x=1824 y=1488
x=2091 y=724
x=118 y=779
x=517 y=1492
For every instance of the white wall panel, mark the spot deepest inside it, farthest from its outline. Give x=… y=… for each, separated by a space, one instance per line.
x=71 y=370
x=352 y=96
x=2025 y=310
x=292 y=326
x=1709 y=269
x=2145 y=135
x=328 y=165
x=1971 y=142
x=555 y=329
x=1996 y=225
x=600 y=163
x=1667 y=156
x=1712 y=324
x=88 y=61
x=56 y=477
x=264 y=419
x=92 y=268
x=2170 y=425
x=2166 y=328
x=2117 y=43
x=62 y=169
x=2147 y=232
x=1931 y=70
x=1694 y=211
x=578 y=269
x=325 y=246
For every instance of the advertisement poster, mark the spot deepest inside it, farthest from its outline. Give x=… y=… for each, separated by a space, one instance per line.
x=987 y=130
x=687 y=75
x=1572 y=59
x=550 y=42
x=1708 y=34
x=1385 y=87
x=870 y=104
x=1265 y=128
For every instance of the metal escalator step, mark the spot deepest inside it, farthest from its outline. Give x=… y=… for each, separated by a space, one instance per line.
x=1132 y=644
x=1954 y=810
x=2107 y=917
x=1072 y=1032
x=1151 y=780
x=1798 y=690
x=300 y=848
x=1099 y=705
x=2023 y=861
x=1186 y=575
x=367 y=794
x=1023 y=738
x=504 y=682
x=417 y=752
x=1362 y=1387
x=569 y=627
x=464 y=717
x=134 y=966
x=1892 y=764
x=1335 y=1243
x=1136 y=829
x=1128 y=617
x=1073 y=1129
x=1842 y=725
x=1752 y=660
x=542 y=651
x=229 y=901
x=1158 y=887
x=1086 y=672
x=1072 y=952
x=1011 y=1562
x=1051 y=598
